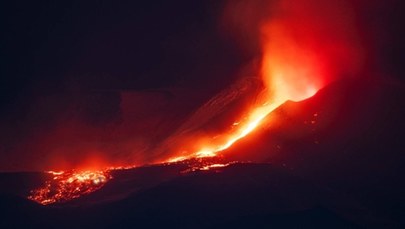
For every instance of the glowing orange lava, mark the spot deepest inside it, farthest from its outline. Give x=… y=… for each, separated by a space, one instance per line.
x=65 y=186
x=68 y=185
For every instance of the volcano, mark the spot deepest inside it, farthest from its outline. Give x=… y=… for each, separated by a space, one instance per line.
x=332 y=183
x=202 y=114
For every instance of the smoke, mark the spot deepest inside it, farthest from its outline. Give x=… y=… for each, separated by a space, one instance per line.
x=303 y=44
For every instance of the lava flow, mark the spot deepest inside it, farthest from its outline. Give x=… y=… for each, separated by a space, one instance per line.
x=68 y=185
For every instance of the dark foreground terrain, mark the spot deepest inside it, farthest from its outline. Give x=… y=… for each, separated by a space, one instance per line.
x=238 y=196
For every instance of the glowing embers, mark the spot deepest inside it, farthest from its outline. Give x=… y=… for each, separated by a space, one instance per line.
x=68 y=185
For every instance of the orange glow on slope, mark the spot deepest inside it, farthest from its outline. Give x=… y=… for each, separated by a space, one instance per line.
x=274 y=97
x=306 y=44
x=65 y=186
x=289 y=72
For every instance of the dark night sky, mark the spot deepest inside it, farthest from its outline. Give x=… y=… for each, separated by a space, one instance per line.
x=66 y=49
x=102 y=45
